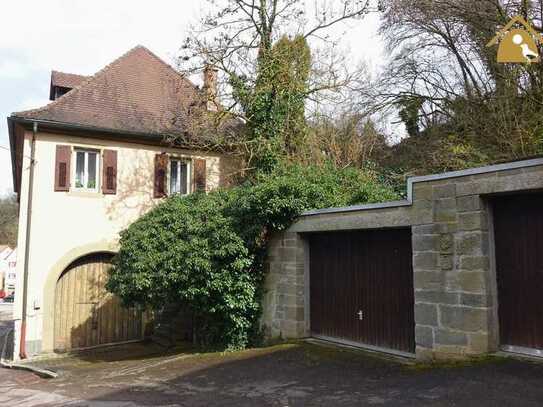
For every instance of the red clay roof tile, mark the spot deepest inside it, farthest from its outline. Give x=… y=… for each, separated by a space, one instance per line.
x=66 y=80
x=137 y=92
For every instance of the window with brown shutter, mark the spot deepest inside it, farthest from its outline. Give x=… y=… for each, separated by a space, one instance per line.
x=62 y=168
x=161 y=167
x=200 y=175
x=109 y=178
x=179 y=176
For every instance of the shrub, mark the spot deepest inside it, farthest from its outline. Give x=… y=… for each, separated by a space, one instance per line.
x=207 y=251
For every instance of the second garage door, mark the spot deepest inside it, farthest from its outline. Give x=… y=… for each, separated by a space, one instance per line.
x=361 y=288
x=518 y=227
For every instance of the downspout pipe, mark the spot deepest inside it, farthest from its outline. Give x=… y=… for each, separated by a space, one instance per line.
x=22 y=347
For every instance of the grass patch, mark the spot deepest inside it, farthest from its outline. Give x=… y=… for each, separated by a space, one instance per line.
x=471 y=361
x=323 y=352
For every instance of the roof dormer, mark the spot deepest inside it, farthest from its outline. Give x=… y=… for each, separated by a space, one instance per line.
x=62 y=83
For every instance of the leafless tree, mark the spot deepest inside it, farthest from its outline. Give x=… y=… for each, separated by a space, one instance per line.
x=346 y=139
x=443 y=75
x=233 y=34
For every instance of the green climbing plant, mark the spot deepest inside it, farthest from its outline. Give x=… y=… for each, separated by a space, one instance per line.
x=207 y=251
x=275 y=104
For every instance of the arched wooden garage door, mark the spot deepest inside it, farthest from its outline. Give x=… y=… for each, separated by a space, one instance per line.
x=86 y=314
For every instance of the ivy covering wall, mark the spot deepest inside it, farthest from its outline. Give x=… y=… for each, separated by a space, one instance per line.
x=206 y=251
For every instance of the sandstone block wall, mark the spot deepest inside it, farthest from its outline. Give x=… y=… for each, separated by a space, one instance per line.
x=284 y=302
x=453 y=260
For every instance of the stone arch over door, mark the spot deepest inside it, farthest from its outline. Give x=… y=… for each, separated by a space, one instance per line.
x=86 y=314
x=49 y=293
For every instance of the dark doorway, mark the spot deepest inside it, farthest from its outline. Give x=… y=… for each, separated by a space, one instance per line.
x=361 y=288
x=518 y=231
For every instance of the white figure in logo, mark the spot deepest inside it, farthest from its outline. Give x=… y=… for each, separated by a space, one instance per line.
x=526 y=51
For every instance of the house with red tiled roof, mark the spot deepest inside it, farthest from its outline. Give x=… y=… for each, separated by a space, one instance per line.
x=8 y=265
x=106 y=149
x=5 y=251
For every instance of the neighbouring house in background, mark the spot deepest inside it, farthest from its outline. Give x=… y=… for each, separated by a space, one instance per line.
x=107 y=149
x=10 y=271
x=5 y=251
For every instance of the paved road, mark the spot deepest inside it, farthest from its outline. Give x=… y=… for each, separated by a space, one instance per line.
x=6 y=322
x=285 y=375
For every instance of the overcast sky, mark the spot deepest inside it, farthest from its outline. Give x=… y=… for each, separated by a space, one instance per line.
x=81 y=37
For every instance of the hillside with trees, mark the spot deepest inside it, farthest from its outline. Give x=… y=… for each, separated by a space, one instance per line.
x=9 y=215
x=459 y=107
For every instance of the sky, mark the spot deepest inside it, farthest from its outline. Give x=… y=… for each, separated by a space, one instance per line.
x=78 y=36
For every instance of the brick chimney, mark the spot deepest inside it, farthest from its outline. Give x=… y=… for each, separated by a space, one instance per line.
x=210 y=87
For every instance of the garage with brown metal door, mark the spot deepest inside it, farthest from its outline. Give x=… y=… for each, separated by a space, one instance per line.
x=86 y=314
x=361 y=288
x=518 y=235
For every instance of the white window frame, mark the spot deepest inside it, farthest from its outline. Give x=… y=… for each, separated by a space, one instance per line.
x=186 y=161
x=86 y=169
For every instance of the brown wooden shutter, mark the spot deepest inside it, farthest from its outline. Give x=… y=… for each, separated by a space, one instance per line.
x=161 y=167
x=109 y=178
x=62 y=168
x=200 y=175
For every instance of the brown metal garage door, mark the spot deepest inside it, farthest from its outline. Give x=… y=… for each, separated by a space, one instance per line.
x=518 y=230
x=86 y=314
x=361 y=288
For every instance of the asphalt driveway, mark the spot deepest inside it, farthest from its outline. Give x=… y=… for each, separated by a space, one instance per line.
x=285 y=375
x=6 y=325
x=6 y=316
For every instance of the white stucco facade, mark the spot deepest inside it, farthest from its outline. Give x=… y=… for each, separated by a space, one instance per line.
x=66 y=225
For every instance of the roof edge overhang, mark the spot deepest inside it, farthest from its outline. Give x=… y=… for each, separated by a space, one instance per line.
x=82 y=129
x=74 y=129
x=11 y=136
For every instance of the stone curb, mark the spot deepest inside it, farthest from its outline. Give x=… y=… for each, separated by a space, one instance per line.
x=46 y=374
x=5 y=363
